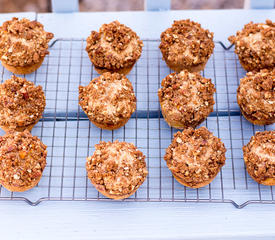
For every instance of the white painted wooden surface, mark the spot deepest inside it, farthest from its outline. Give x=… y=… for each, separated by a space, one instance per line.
x=130 y=220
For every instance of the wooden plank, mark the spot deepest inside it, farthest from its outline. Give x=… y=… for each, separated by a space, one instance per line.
x=130 y=220
x=150 y=24
x=7 y=16
x=121 y=220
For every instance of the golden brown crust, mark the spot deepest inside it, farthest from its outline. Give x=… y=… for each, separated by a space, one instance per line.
x=123 y=71
x=23 y=128
x=255 y=45
x=195 y=157
x=116 y=169
x=25 y=69
x=21 y=104
x=186 y=45
x=186 y=99
x=23 y=43
x=114 y=48
x=108 y=100
x=256 y=97
x=259 y=157
x=22 y=160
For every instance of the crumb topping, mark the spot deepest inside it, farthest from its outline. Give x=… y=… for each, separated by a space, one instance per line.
x=115 y=46
x=256 y=94
x=118 y=168
x=23 y=42
x=259 y=155
x=255 y=45
x=195 y=155
x=21 y=102
x=22 y=158
x=108 y=99
x=187 y=97
x=186 y=42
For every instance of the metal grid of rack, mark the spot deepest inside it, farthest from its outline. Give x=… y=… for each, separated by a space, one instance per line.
x=70 y=136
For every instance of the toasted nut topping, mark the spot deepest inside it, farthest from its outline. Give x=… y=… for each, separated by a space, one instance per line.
x=115 y=46
x=187 y=43
x=119 y=168
x=16 y=169
x=21 y=102
x=255 y=45
x=259 y=156
x=23 y=42
x=197 y=157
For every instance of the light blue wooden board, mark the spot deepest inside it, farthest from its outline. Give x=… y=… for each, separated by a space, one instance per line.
x=116 y=220
x=79 y=220
x=150 y=24
x=9 y=16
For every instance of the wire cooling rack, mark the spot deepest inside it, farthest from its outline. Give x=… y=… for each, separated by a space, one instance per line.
x=71 y=137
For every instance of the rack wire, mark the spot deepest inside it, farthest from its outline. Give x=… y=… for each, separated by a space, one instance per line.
x=71 y=137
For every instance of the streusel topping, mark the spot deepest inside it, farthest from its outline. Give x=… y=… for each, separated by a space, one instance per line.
x=23 y=42
x=21 y=102
x=108 y=99
x=195 y=155
x=115 y=46
x=255 y=45
x=186 y=42
x=259 y=155
x=188 y=97
x=22 y=158
x=256 y=94
x=118 y=167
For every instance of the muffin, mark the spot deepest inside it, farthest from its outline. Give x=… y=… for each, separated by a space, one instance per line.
x=255 y=45
x=116 y=169
x=22 y=160
x=21 y=104
x=195 y=157
x=23 y=45
x=259 y=157
x=115 y=48
x=186 y=46
x=186 y=99
x=108 y=101
x=256 y=97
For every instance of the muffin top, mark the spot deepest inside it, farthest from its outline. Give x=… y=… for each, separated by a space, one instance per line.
x=115 y=46
x=195 y=155
x=21 y=102
x=186 y=42
x=259 y=155
x=108 y=99
x=256 y=94
x=187 y=97
x=255 y=45
x=23 y=42
x=22 y=159
x=117 y=168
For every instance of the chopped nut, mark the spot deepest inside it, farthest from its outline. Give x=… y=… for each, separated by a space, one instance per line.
x=22 y=154
x=16 y=177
